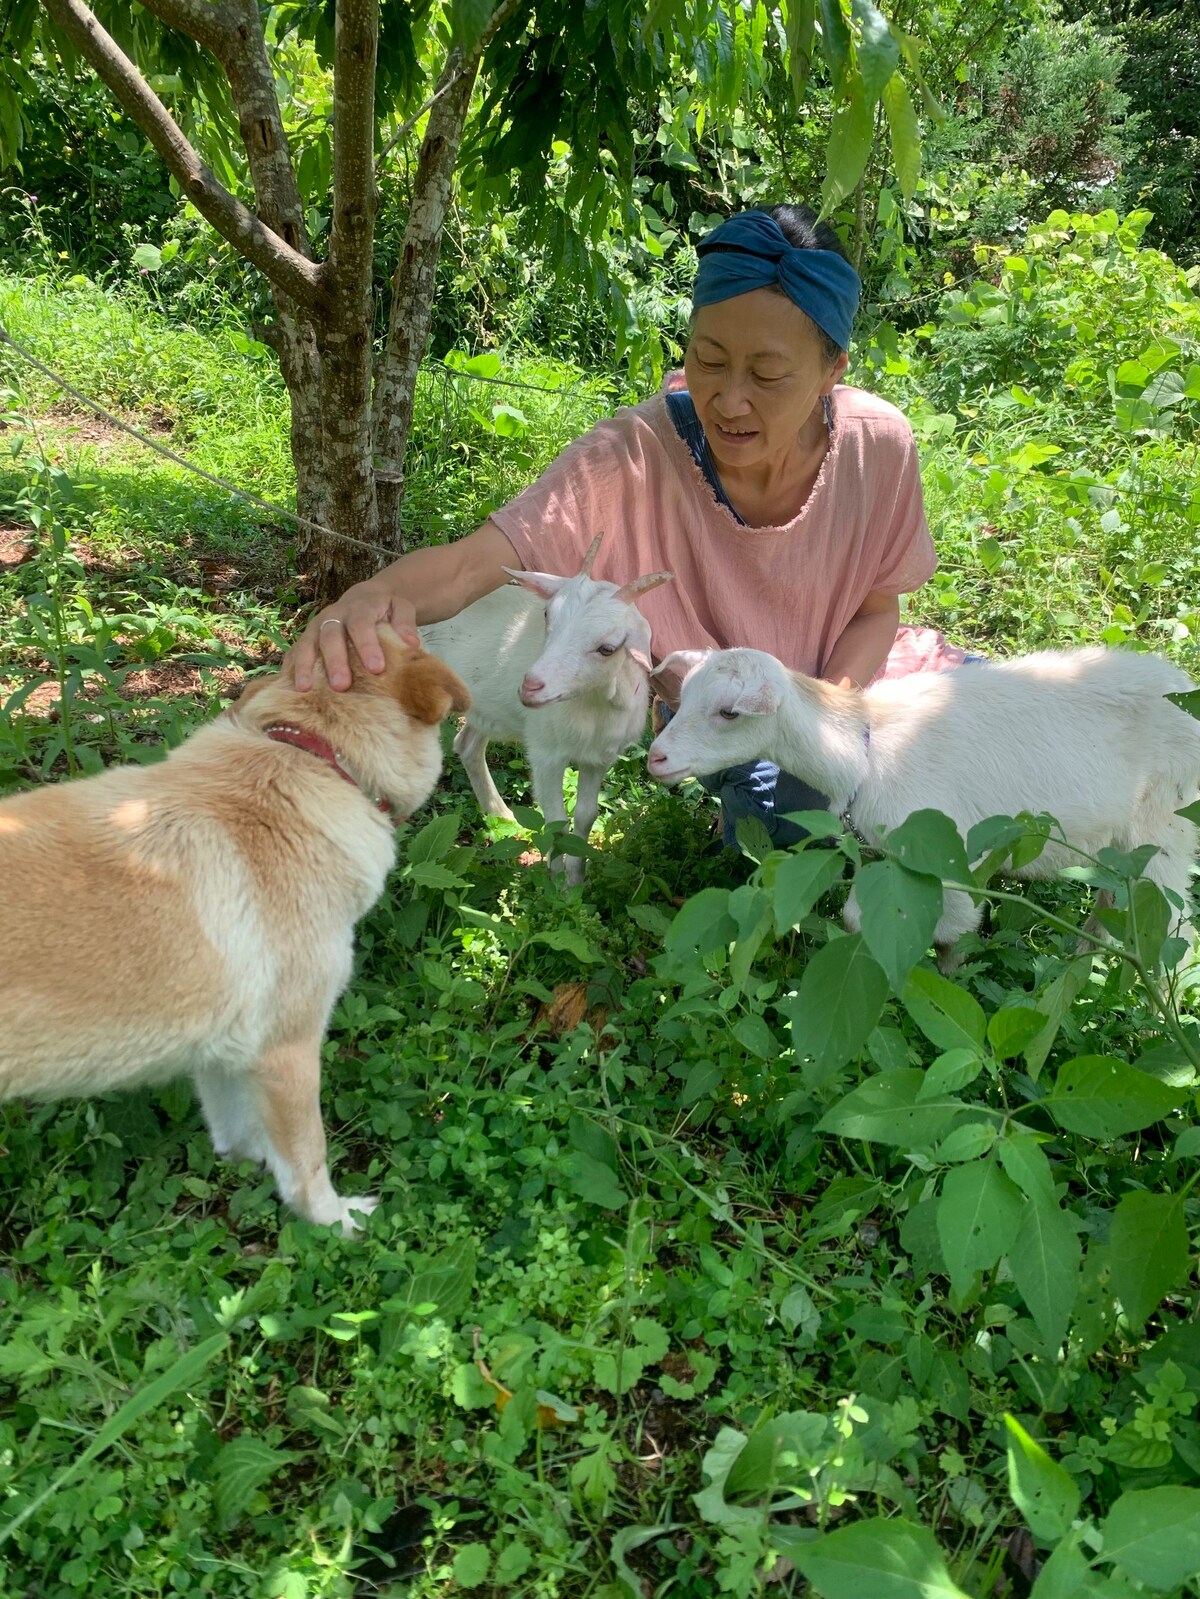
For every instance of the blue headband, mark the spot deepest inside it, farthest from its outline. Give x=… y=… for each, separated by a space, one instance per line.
x=751 y=251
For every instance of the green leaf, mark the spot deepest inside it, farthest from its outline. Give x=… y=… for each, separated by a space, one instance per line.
x=718 y=1462
x=851 y=136
x=929 y=842
x=798 y=1313
x=623 y=1543
x=835 y=39
x=569 y=942
x=1042 y=1490
x=507 y=933
x=1153 y=1534
x=148 y=257
x=702 y=927
x=445 y=1280
x=471 y=1565
x=432 y=874
x=1103 y=1098
x=242 y=1466
x=434 y=840
x=878 y=54
x=1012 y=1028
x=888 y=1110
x=1024 y=1159
x=947 y=1015
x=310 y=1408
x=882 y=1559
x=978 y=1216
x=1129 y=1447
x=755 y=1037
x=756 y=1469
x=593 y=1181
x=905 y=134
x=1045 y=1265
x=967 y=1142
x=993 y=833
x=703 y=1077
x=1056 y=1000
x=1147 y=1251
x=835 y=1009
x=800 y=881
x=899 y=911
x=1066 y=1575
x=950 y=1072
x=1147 y=921
x=750 y=908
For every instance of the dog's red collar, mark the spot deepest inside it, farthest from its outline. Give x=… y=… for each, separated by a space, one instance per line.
x=301 y=739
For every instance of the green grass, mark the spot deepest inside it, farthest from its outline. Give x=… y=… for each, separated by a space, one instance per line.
x=747 y=1302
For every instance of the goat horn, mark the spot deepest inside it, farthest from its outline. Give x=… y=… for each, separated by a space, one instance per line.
x=586 y=569
x=642 y=585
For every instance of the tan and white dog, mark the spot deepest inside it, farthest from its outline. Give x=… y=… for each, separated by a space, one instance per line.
x=196 y=917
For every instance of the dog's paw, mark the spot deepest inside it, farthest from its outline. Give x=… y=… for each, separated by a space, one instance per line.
x=352 y=1212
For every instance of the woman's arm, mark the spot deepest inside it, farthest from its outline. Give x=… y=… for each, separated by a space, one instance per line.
x=864 y=645
x=424 y=586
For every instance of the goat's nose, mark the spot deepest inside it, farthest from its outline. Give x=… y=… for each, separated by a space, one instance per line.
x=656 y=757
x=532 y=686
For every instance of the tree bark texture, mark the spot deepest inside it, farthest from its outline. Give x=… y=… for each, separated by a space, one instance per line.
x=344 y=339
x=413 y=289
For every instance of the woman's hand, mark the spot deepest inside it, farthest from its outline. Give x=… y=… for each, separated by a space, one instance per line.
x=354 y=618
x=432 y=583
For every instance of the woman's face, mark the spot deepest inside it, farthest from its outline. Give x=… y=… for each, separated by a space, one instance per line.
x=756 y=371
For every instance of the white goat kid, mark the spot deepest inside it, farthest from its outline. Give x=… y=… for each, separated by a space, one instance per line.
x=560 y=665
x=1085 y=734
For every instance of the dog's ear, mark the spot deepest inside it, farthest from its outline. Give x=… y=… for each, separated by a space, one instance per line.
x=428 y=690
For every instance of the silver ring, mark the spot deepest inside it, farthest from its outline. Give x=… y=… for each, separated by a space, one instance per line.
x=331 y=621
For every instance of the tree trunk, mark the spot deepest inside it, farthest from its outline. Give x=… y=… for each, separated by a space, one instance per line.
x=344 y=338
x=413 y=289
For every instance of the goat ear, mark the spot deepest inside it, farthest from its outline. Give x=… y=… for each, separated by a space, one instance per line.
x=759 y=698
x=544 y=584
x=586 y=569
x=628 y=592
x=672 y=672
x=640 y=657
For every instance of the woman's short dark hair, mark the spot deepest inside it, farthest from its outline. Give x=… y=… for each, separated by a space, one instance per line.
x=802 y=228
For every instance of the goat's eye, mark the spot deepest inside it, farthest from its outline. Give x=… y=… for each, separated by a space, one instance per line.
x=729 y=715
x=607 y=649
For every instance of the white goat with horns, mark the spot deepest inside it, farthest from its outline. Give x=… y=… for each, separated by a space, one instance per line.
x=1085 y=734
x=560 y=665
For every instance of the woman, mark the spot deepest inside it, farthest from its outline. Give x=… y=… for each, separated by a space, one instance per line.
x=787 y=505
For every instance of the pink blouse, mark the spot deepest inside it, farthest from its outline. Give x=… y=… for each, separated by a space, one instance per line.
x=790 y=590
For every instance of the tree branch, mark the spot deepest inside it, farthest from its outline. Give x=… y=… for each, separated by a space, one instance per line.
x=457 y=64
x=286 y=268
x=355 y=47
x=232 y=31
x=414 y=279
x=202 y=20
